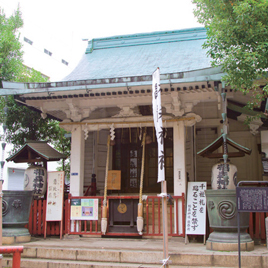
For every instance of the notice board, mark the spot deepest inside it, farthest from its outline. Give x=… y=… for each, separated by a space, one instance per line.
x=84 y=209
x=55 y=191
x=252 y=199
x=196 y=208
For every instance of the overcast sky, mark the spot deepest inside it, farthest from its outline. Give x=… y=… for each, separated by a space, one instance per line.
x=68 y=22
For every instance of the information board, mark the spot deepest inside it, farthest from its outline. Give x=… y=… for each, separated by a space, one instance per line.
x=196 y=208
x=55 y=190
x=252 y=199
x=84 y=209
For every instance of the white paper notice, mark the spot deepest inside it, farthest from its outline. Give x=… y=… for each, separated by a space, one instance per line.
x=196 y=208
x=55 y=192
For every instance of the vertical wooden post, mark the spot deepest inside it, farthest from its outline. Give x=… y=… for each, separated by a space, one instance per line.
x=165 y=222
x=140 y=205
x=104 y=209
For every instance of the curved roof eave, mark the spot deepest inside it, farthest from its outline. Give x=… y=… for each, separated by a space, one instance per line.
x=14 y=88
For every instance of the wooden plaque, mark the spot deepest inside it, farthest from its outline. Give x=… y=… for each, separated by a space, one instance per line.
x=114 y=180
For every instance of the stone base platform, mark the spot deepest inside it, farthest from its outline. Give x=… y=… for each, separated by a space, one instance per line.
x=218 y=246
x=10 y=240
x=228 y=241
x=15 y=235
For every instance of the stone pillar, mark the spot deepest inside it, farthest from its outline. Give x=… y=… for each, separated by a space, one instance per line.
x=179 y=165
x=77 y=161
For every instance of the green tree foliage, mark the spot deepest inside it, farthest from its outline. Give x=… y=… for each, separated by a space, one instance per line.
x=238 y=41
x=23 y=123
x=10 y=46
x=10 y=50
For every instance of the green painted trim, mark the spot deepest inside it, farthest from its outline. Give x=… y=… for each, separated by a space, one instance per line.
x=209 y=145
x=147 y=38
x=245 y=110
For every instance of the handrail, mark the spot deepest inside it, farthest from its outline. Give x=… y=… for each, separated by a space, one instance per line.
x=250 y=183
x=16 y=250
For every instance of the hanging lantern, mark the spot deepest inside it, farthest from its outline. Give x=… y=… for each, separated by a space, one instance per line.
x=35 y=179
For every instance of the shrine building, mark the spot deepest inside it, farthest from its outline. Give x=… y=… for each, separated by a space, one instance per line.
x=111 y=87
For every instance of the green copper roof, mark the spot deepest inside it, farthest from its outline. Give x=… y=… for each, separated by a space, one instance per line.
x=130 y=60
x=140 y=54
x=146 y=39
x=209 y=150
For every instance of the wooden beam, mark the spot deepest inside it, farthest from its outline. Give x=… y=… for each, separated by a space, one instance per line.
x=27 y=160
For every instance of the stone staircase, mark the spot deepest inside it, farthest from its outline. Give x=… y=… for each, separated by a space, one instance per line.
x=69 y=254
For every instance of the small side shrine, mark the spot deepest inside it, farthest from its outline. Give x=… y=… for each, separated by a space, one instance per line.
x=36 y=152
x=16 y=204
x=33 y=152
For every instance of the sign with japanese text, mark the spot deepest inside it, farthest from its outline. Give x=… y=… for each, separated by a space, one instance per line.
x=196 y=208
x=252 y=199
x=84 y=209
x=55 y=191
x=158 y=124
x=114 y=180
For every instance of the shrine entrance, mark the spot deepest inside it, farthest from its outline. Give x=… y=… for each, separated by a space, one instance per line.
x=123 y=215
x=127 y=157
x=134 y=173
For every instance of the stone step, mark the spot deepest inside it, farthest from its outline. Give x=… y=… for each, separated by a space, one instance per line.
x=118 y=256
x=50 y=257
x=51 y=263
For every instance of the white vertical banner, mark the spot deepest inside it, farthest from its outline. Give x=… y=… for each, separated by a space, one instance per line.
x=157 y=114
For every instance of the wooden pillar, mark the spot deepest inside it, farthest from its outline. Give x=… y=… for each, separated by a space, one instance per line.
x=179 y=165
x=77 y=161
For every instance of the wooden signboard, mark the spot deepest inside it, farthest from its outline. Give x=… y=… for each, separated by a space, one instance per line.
x=55 y=194
x=196 y=208
x=114 y=180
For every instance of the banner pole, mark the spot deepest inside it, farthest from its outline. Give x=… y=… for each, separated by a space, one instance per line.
x=159 y=131
x=165 y=224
